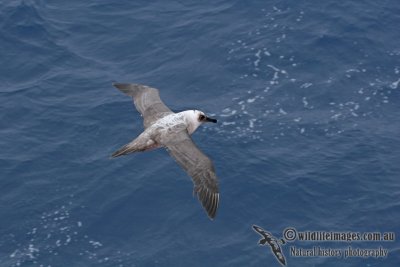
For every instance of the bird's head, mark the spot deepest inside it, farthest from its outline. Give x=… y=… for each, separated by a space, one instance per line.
x=195 y=118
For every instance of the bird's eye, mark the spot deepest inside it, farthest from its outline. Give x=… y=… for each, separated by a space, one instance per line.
x=202 y=117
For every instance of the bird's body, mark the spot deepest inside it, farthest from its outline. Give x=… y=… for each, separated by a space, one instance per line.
x=164 y=128
x=162 y=132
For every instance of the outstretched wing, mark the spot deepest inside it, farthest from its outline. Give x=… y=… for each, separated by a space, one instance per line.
x=200 y=168
x=147 y=101
x=259 y=230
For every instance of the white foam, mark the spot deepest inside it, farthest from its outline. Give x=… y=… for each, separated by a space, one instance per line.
x=274 y=68
x=395 y=84
x=297 y=119
x=12 y=255
x=226 y=123
x=352 y=70
x=258 y=56
x=231 y=113
x=306 y=85
x=281 y=111
x=251 y=123
x=336 y=116
x=95 y=244
x=268 y=54
x=31 y=251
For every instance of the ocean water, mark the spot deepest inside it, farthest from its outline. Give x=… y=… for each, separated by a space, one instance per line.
x=307 y=94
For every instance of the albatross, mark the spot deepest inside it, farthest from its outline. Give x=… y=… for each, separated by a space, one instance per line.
x=164 y=128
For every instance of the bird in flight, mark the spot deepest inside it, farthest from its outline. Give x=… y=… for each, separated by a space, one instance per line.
x=164 y=128
x=272 y=242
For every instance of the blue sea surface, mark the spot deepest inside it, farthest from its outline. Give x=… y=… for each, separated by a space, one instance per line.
x=307 y=97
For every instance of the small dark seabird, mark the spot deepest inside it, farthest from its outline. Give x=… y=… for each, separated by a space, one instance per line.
x=164 y=128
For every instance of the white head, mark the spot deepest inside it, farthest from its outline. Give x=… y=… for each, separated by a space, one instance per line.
x=195 y=118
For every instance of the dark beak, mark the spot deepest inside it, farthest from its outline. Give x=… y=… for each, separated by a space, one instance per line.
x=211 y=120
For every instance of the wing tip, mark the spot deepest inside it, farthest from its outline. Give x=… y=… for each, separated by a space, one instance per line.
x=127 y=88
x=115 y=84
x=210 y=203
x=131 y=89
x=123 y=87
x=120 y=85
